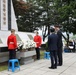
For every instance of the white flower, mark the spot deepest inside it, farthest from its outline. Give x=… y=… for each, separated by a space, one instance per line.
x=20 y=44
x=28 y=44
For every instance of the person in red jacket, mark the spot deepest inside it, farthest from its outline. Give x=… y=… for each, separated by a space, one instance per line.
x=12 y=44
x=38 y=41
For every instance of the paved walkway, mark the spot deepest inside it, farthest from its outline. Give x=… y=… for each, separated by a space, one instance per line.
x=40 y=67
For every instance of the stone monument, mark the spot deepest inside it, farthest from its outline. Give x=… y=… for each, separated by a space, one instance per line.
x=7 y=15
x=8 y=22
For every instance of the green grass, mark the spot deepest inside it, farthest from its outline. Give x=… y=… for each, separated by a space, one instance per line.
x=4 y=66
x=42 y=54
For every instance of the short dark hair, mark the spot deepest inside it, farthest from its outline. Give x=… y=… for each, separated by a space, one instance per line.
x=57 y=26
x=37 y=32
x=52 y=30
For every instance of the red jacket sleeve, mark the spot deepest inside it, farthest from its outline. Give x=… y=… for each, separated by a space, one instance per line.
x=15 y=41
x=40 y=40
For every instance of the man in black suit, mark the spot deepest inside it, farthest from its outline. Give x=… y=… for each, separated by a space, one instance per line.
x=52 y=46
x=60 y=45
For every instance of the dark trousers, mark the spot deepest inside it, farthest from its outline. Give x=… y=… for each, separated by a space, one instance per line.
x=37 y=53
x=12 y=54
x=60 y=59
x=53 y=55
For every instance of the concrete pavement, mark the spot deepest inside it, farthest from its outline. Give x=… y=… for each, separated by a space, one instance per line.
x=40 y=67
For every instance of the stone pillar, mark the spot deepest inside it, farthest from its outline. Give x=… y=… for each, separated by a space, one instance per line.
x=3 y=15
x=7 y=16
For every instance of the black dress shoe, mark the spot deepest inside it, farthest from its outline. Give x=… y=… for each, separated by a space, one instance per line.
x=55 y=67
x=38 y=58
x=52 y=67
x=59 y=65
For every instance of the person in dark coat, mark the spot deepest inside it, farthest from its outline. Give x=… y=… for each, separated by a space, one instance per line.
x=60 y=45
x=52 y=47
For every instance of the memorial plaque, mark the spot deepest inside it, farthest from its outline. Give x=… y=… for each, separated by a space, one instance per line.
x=30 y=36
x=18 y=38
x=0 y=41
